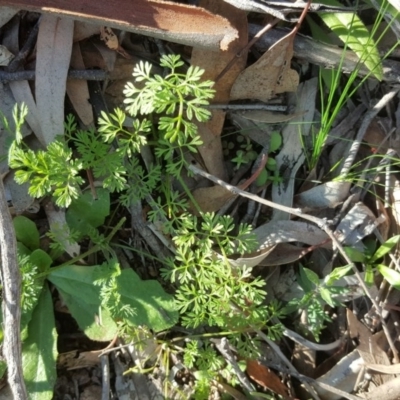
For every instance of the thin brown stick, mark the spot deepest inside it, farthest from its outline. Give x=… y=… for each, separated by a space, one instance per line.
x=85 y=74
x=11 y=280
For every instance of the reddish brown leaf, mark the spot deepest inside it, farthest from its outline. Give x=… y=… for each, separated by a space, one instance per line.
x=178 y=23
x=266 y=378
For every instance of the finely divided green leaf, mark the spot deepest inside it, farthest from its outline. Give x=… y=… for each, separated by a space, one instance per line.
x=352 y=31
x=39 y=351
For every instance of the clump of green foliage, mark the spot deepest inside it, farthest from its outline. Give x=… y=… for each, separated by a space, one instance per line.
x=209 y=290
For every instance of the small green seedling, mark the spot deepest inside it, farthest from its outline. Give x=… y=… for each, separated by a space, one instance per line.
x=370 y=259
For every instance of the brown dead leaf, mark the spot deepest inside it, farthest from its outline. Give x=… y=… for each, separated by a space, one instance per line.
x=54 y=46
x=109 y=38
x=368 y=347
x=266 y=378
x=269 y=75
x=211 y=198
x=78 y=91
x=166 y=20
x=213 y=63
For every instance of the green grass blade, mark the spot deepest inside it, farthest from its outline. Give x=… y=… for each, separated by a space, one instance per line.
x=352 y=31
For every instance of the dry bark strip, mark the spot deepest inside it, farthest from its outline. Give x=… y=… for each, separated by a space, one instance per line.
x=11 y=280
x=192 y=26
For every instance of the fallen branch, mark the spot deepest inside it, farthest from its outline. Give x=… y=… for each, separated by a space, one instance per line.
x=11 y=280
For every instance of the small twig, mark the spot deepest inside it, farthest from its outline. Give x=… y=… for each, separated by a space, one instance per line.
x=292 y=369
x=30 y=43
x=105 y=373
x=313 y=346
x=11 y=280
x=250 y=106
x=223 y=347
x=85 y=74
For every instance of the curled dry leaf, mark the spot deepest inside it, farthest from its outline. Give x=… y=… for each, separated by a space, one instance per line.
x=269 y=75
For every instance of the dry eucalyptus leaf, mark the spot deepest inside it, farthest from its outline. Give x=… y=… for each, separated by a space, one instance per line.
x=281 y=231
x=329 y=194
x=5 y=55
x=251 y=260
x=359 y=222
x=368 y=348
x=54 y=46
x=291 y=156
x=283 y=253
x=268 y=117
x=343 y=376
x=165 y=20
x=78 y=90
x=213 y=63
x=211 y=198
x=269 y=75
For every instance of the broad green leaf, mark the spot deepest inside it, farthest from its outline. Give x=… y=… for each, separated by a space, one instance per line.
x=41 y=259
x=392 y=276
x=275 y=142
x=86 y=212
x=262 y=178
x=337 y=273
x=354 y=254
x=82 y=298
x=3 y=368
x=304 y=282
x=154 y=308
x=326 y=295
x=352 y=31
x=385 y=248
x=39 y=351
x=26 y=232
x=369 y=275
x=311 y=276
x=22 y=250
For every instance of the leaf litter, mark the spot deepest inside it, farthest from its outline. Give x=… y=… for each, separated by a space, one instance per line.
x=285 y=243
